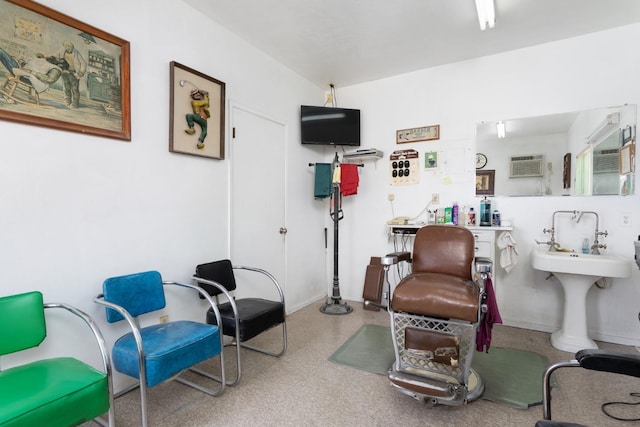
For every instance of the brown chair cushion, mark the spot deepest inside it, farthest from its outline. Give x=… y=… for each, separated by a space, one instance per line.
x=444 y=249
x=437 y=295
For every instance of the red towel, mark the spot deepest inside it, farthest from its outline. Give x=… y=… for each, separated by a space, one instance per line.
x=483 y=336
x=349 y=179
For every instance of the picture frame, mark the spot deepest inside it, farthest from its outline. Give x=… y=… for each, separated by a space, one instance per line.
x=431 y=160
x=425 y=133
x=626 y=158
x=196 y=113
x=485 y=182
x=61 y=73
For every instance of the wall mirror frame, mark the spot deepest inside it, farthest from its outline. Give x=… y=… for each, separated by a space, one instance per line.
x=580 y=153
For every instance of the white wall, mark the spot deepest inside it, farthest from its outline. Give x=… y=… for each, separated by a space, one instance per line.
x=76 y=209
x=576 y=74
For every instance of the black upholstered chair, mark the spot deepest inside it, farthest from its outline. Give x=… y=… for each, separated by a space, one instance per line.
x=594 y=359
x=242 y=318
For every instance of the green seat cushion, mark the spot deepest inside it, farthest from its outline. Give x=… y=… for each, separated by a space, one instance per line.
x=52 y=392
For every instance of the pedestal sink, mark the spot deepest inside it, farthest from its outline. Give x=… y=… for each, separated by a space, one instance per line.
x=577 y=273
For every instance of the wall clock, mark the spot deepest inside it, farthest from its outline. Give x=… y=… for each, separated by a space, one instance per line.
x=481 y=160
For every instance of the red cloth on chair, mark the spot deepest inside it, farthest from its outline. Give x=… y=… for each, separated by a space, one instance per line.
x=483 y=336
x=349 y=179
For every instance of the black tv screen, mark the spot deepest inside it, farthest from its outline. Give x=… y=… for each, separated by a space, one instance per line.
x=329 y=125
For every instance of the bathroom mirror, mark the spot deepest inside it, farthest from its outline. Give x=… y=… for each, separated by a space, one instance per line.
x=582 y=153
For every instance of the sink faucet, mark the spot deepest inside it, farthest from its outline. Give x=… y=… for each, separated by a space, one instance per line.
x=595 y=248
x=577 y=216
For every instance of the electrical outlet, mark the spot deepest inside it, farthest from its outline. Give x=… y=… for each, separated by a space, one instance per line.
x=625 y=220
x=391 y=197
x=164 y=318
x=435 y=198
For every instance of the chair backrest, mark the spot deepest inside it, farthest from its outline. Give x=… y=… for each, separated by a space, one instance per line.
x=22 y=322
x=137 y=293
x=217 y=271
x=444 y=249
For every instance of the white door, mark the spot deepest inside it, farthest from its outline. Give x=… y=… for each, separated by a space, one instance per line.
x=257 y=193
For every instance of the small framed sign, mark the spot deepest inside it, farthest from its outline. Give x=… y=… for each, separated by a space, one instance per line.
x=425 y=133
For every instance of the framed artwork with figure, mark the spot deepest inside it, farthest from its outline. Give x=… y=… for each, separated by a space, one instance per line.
x=485 y=182
x=196 y=113
x=61 y=73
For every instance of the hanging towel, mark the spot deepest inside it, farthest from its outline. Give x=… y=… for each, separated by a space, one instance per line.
x=349 y=179
x=492 y=316
x=336 y=174
x=509 y=253
x=322 y=187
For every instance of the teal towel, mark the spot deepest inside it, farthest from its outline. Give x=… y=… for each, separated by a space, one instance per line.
x=322 y=187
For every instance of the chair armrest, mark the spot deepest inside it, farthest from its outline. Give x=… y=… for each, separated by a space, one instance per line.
x=401 y=256
x=226 y=293
x=266 y=273
x=610 y=361
x=104 y=351
x=206 y=296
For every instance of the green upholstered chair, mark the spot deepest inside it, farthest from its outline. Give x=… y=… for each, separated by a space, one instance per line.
x=158 y=352
x=60 y=391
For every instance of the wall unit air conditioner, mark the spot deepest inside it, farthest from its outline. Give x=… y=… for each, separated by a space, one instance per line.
x=606 y=161
x=526 y=166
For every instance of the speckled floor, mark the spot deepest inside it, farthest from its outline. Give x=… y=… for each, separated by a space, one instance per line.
x=304 y=388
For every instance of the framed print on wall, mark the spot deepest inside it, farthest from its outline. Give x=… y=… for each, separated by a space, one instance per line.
x=485 y=182
x=425 y=133
x=61 y=73
x=196 y=113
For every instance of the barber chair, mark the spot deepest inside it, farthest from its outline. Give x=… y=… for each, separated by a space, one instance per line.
x=435 y=312
x=20 y=91
x=594 y=359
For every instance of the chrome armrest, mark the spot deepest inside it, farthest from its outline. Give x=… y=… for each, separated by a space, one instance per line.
x=104 y=352
x=266 y=273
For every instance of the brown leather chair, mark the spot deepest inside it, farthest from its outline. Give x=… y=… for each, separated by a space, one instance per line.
x=435 y=312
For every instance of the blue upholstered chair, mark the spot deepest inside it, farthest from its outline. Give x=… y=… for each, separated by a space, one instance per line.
x=243 y=318
x=159 y=352
x=56 y=392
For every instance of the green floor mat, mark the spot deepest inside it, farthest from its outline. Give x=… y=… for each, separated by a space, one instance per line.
x=511 y=377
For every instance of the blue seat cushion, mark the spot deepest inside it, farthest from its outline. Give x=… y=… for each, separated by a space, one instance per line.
x=52 y=392
x=169 y=349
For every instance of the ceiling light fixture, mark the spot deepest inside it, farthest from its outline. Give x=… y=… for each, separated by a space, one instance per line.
x=500 y=127
x=486 y=14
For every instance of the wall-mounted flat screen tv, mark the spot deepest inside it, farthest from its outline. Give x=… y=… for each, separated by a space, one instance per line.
x=329 y=125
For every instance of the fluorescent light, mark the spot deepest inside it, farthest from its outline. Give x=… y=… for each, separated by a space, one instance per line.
x=486 y=14
x=604 y=129
x=500 y=127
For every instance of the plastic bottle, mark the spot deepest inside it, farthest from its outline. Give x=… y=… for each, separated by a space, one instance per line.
x=454 y=213
x=485 y=212
x=585 y=245
x=447 y=215
x=472 y=217
x=495 y=218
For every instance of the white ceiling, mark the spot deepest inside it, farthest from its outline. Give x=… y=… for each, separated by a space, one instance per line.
x=347 y=42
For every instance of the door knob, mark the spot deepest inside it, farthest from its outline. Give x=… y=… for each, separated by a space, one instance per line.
x=283 y=230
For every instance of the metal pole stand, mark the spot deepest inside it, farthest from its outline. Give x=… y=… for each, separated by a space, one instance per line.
x=336 y=306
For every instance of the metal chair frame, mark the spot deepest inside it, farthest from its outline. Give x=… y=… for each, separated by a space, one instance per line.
x=104 y=354
x=135 y=329
x=236 y=339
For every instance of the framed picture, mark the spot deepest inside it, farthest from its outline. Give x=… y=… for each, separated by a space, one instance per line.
x=61 y=73
x=431 y=160
x=196 y=113
x=485 y=182
x=627 y=158
x=425 y=133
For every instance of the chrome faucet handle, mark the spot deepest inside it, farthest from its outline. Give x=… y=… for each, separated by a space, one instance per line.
x=604 y=233
x=547 y=230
